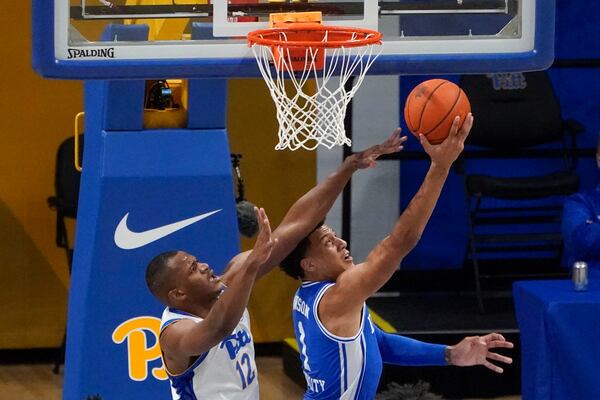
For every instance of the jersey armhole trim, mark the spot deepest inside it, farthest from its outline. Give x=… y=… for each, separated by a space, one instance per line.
x=168 y=323
x=198 y=360
x=308 y=283
x=322 y=326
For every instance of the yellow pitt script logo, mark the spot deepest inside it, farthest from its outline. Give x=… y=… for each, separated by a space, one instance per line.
x=135 y=331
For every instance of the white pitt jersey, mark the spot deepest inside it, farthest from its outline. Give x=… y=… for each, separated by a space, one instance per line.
x=225 y=372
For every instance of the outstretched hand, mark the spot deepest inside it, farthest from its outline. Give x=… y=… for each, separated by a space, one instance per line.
x=474 y=350
x=264 y=241
x=447 y=152
x=366 y=158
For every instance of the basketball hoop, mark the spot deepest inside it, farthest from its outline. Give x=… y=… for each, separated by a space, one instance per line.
x=310 y=52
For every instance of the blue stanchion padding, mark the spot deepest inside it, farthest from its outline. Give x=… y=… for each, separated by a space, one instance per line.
x=207 y=100
x=207 y=103
x=126 y=108
x=138 y=180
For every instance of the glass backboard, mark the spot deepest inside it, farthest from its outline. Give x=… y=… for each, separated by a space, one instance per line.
x=193 y=38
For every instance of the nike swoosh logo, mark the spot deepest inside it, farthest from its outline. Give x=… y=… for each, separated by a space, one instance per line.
x=129 y=240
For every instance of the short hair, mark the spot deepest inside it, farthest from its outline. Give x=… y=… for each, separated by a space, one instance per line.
x=158 y=274
x=291 y=264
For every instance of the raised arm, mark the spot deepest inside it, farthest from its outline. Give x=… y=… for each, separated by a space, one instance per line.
x=312 y=207
x=187 y=338
x=356 y=284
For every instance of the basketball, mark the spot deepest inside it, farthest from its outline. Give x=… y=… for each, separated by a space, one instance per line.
x=432 y=106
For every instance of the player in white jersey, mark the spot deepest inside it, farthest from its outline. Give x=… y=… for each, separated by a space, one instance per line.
x=205 y=331
x=341 y=350
x=227 y=371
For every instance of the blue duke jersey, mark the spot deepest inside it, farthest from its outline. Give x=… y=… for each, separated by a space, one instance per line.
x=334 y=367
x=349 y=368
x=225 y=372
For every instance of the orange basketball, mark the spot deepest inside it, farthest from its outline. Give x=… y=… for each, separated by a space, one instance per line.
x=432 y=106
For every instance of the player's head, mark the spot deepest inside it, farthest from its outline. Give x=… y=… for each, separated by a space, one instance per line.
x=319 y=256
x=178 y=279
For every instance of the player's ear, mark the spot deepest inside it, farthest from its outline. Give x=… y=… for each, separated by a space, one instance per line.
x=176 y=295
x=307 y=264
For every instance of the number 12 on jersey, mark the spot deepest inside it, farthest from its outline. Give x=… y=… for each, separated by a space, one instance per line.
x=245 y=365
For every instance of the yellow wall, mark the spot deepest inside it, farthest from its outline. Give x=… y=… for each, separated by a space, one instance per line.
x=274 y=180
x=36 y=115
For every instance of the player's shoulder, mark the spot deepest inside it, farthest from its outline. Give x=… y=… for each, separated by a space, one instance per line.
x=171 y=334
x=313 y=288
x=171 y=315
x=176 y=322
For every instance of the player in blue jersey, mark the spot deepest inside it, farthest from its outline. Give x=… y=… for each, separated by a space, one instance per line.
x=205 y=333
x=341 y=350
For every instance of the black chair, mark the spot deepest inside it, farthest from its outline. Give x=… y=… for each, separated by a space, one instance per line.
x=518 y=166
x=65 y=200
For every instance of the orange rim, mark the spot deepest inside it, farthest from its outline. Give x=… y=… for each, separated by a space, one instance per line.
x=270 y=37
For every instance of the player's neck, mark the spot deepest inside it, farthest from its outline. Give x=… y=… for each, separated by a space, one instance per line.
x=198 y=309
x=316 y=277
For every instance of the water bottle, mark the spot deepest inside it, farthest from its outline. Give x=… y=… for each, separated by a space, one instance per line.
x=580 y=276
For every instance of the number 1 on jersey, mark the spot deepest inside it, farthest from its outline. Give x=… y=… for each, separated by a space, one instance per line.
x=303 y=346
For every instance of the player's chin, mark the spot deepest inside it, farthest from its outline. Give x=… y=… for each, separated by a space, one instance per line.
x=214 y=280
x=348 y=264
x=216 y=284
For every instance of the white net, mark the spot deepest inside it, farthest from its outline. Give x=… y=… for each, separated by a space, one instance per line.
x=311 y=107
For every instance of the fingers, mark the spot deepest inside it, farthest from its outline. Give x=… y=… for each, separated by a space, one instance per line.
x=263 y=222
x=366 y=158
x=392 y=144
x=394 y=140
x=495 y=340
x=500 y=343
x=466 y=127
x=398 y=141
x=400 y=144
x=425 y=143
x=493 y=367
x=461 y=131
x=395 y=135
x=493 y=336
x=257 y=215
x=454 y=128
x=499 y=357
